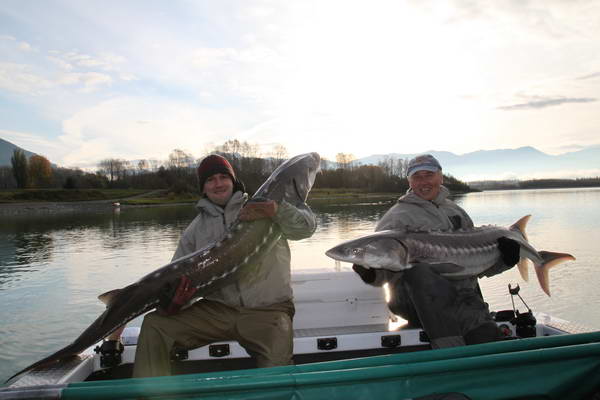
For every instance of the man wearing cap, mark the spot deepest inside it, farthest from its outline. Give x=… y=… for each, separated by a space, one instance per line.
x=452 y=312
x=257 y=312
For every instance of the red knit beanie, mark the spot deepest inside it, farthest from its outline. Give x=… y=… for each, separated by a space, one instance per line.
x=214 y=164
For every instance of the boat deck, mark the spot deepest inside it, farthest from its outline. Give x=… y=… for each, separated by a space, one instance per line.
x=310 y=345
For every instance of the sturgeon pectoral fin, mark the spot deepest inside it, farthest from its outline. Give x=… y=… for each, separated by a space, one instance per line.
x=108 y=297
x=523 y=266
x=550 y=259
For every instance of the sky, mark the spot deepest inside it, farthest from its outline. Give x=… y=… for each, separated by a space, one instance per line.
x=82 y=81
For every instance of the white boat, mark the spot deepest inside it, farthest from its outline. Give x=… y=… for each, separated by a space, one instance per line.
x=341 y=326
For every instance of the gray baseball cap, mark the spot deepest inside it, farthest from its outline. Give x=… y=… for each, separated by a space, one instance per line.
x=424 y=162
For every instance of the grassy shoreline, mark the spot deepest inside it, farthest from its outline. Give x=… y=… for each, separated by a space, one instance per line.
x=65 y=195
x=137 y=197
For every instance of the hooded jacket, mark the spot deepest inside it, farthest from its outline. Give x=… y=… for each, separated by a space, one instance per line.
x=411 y=212
x=274 y=284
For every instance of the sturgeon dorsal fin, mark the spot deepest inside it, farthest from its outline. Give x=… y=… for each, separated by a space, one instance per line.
x=108 y=297
x=520 y=226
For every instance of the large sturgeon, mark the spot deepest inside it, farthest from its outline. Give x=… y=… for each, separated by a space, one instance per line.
x=210 y=268
x=458 y=254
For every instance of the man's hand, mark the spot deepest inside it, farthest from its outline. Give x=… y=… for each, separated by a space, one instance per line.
x=173 y=297
x=366 y=274
x=258 y=210
x=510 y=250
x=509 y=255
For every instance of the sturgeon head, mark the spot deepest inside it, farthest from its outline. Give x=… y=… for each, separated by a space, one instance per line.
x=381 y=250
x=292 y=180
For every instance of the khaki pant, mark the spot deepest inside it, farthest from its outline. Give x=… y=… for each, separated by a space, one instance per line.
x=266 y=334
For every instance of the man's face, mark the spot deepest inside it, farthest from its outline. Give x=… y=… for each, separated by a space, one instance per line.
x=426 y=184
x=218 y=188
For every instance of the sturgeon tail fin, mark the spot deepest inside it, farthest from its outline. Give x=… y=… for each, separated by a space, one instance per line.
x=550 y=259
x=523 y=263
x=55 y=358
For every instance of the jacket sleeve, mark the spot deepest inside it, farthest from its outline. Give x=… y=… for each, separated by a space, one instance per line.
x=467 y=222
x=186 y=244
x=295 y=222
x=383 y=276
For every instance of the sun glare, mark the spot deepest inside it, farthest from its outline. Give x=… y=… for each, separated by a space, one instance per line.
x=360 y=69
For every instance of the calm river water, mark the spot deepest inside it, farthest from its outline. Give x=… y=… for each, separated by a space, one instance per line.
x=52 y=267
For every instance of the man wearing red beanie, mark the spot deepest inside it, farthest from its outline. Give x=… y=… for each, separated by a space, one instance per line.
x=255 y=312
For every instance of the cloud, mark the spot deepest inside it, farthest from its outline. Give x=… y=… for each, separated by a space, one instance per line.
x=142 y=128
x=543 y=103
x=34 y=143
x=20 y=78
x=532 y=20
x=62 y=64
x=230 y=67
x=12 y=44
x=90 y=80
x=590 y=76
x=24 y=46
x=48 y=72
x=205 y=58
x=105 y=61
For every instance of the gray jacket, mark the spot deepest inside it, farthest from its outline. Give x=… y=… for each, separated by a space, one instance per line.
x=274 y=284
x=414 y=213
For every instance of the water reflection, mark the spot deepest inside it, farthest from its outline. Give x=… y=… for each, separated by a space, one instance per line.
x=29 y=243
x=52 y=268
x=563 y=220
x=335 y=224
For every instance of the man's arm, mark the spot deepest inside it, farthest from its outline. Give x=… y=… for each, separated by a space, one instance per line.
x=295 y=222
x=376 y=277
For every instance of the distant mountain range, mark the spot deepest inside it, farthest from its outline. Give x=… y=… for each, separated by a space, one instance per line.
x=506 y=164
x=521 y=163
x=6 y=152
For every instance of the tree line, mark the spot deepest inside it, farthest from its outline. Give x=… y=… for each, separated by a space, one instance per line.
x=36 y=172
x=177 y=174
x=537 y=184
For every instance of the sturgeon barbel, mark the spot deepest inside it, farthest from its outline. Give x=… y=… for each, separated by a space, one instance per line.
x=459 y=254
x=210 y=268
